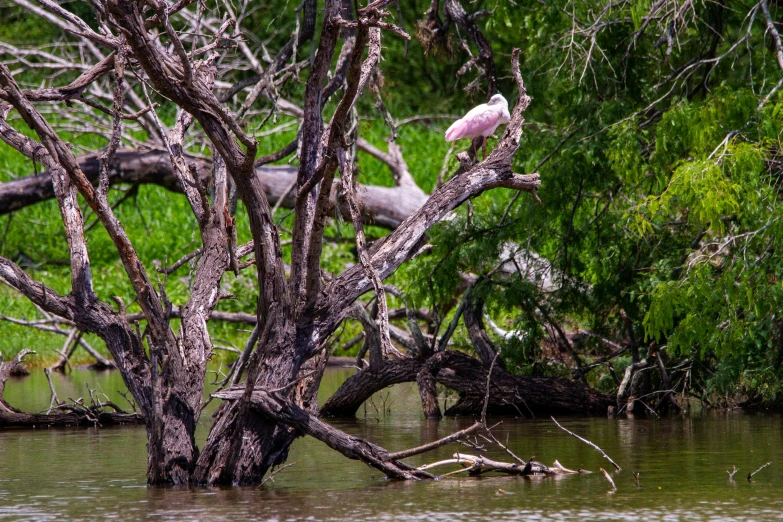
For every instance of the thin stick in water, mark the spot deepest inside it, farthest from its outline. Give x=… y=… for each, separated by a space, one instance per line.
x=606 y=474
x=750 y=475
x=486 y=395
x=275 y=472
x=502 y=446
x=55 y=401
x=432 y=445
x=602 y=452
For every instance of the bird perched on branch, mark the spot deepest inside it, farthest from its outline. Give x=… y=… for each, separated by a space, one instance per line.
x=481 y=121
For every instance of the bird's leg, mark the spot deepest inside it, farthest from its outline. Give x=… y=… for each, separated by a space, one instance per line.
x=484 y=149
x=473 y=144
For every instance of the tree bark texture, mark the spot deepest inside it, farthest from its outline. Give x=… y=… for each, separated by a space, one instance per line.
x=509 y=394
x=164 y=367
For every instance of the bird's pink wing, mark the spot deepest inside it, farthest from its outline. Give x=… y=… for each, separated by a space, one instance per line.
x=480 y=120
x=457 y=130
x=477 y=122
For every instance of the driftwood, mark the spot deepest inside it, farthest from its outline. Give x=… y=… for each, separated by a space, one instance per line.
x=608 y=479
x=599 y=450
x=750 y=475
x=87 y=416
x=475 y=465
x=63 y=415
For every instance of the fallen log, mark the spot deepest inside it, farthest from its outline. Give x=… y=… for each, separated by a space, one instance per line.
x=154 y=166
x=64 y=415
x=18 y=419
x=275 y=407
x=521 y=395
x=477 y=465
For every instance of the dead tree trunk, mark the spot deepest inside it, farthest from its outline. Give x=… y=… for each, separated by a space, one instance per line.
x=164 y=366
x=425 y=378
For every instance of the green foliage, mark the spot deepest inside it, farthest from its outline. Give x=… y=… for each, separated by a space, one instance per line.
x=660 y=190
x=637 y=168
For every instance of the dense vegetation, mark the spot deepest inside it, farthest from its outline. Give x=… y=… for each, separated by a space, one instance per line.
x=655 y=126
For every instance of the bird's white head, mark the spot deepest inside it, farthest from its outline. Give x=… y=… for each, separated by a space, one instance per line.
x=497 y=99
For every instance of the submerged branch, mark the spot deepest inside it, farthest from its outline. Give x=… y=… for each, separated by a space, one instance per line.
x=599 y=450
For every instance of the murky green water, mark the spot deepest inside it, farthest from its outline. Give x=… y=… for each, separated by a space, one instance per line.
x=98 y=474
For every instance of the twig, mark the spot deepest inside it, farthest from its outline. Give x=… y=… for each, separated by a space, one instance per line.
x=5 y=230
x=282 y=198
x=240 y=363
x=275 y=472
x=445 y=167
x=486 y=394
x=618 y=468
x=444 y=340
x=300 y=379
x=65 y=354
x=750 y=475
x=614 y=488
x=353 y=342
x=226 y=348
x=504 y=447
x=54 y=400
x=732 y=473
x=468 y=468
x=184 y=259
x=564 y=470
x=129 y=400
x=349 y=192
x=435 y=444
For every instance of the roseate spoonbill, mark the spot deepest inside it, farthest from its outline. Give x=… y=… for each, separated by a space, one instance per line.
x=481 y=121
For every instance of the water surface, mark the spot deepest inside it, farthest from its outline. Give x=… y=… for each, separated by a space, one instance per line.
x=98 y=474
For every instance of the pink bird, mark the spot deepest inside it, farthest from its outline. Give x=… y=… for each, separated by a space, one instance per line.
x=481 y=121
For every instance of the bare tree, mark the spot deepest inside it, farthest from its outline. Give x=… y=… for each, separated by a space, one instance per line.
x=140 y=51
